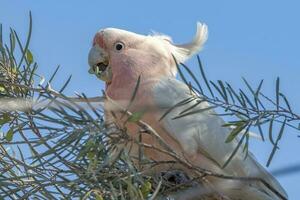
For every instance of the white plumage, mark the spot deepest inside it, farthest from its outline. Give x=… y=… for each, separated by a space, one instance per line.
x=202 y=136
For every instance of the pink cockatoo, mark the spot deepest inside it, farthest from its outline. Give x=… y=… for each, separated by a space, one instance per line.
x=121 y=58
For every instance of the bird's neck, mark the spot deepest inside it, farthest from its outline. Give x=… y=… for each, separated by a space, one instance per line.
x=125 y=92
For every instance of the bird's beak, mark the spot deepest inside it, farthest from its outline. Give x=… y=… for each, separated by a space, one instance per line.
x=99 y=64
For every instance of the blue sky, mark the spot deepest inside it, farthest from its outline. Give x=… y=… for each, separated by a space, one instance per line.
x=253 y=39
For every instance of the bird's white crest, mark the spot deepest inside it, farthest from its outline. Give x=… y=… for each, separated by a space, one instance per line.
x=185 y=51
x=182 y=52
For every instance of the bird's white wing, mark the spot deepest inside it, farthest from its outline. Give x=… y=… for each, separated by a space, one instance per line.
x=203 y=133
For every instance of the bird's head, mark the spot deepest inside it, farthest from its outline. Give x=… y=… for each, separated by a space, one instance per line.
x=118 y=54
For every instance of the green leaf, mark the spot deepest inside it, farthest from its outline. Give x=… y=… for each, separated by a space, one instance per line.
x=65 y=84
x=179 y=71
x=193 y=77
x=9 y=135
x=239 y=127
x=91 y=155
x=146 y=189
x=277 y=92
x=98 y=196
x=181 y=103
x=135 y=89
x=224 y=90
x=195 y=112
x=192 y=106
x=236 y=149
x=246 y=146
x=246 y=98
x=24 y=50
x=286 y=102
x=136 y=116
x=2 y=89
x=12 y=41
x=271 y=131
x=1 y=39
x=258 y=88
x=229 y=88
x=133 y=95
x=233 y=123
x=29 y=56
x=261 y=131
x=204 y=77
x=275 y=147
x=219 y=90
x=5 y=118
x=248 y=85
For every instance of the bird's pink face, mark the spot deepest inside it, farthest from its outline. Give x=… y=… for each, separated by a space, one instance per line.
x=100 y=56
x=121 y=57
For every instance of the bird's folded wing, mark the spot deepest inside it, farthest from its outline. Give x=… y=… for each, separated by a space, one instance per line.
x=195 y=125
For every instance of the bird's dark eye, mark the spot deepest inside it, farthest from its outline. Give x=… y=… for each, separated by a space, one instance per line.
x=119 y=46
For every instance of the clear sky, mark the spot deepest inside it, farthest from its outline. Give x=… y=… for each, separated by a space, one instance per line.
x=252 y=39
